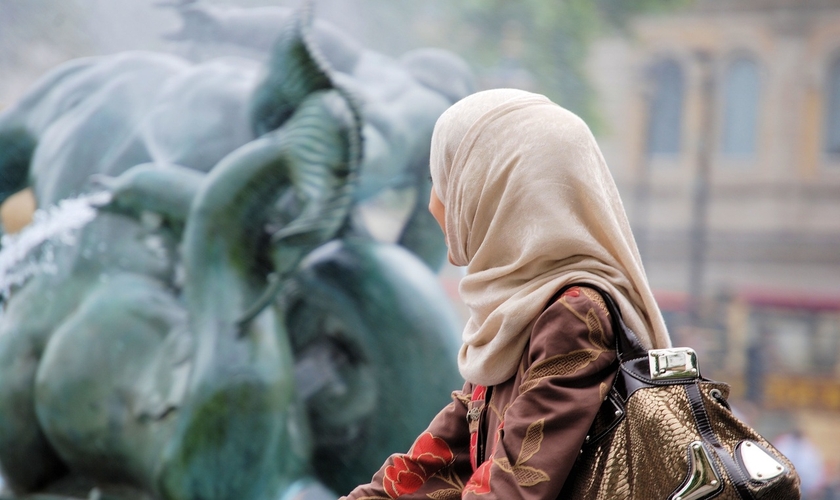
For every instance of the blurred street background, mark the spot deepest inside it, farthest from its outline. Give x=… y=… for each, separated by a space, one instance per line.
x=720 y=120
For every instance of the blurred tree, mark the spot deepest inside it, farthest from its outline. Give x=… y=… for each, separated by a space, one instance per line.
x=536 y=44
x=539 y=45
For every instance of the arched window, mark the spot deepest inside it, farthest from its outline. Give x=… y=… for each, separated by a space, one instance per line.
x=832 y=126
x=666 y=108
x=741 y=88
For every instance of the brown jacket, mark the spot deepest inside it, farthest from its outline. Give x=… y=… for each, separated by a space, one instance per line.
x=518 y=439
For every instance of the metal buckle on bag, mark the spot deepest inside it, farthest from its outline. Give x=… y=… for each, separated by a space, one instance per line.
x=676 y=362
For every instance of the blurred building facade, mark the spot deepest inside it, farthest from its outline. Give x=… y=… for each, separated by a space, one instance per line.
x=722 y=128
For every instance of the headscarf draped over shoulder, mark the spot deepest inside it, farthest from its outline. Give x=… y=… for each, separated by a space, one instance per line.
x=530 y=207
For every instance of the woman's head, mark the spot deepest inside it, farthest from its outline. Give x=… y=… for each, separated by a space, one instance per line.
x=504 y=162
x=453 y=125
x=529 y=205
x=451 y=128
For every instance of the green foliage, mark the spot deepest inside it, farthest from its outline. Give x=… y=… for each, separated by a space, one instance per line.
x=546 y=39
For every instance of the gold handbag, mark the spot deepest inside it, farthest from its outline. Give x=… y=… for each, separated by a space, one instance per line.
x=666 y=433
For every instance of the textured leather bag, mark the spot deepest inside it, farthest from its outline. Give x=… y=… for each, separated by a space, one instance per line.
x=666 y=433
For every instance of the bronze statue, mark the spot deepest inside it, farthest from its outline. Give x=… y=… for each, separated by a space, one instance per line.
x=224 y=327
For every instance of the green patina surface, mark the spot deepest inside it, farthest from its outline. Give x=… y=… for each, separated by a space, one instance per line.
x=252 y=342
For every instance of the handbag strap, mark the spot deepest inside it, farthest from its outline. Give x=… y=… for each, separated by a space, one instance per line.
x=627 y=344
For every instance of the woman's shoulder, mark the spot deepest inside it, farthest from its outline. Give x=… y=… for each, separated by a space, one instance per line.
x=579 y=300
x=574 y=320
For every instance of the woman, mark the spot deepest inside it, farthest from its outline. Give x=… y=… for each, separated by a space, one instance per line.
x=528 y=205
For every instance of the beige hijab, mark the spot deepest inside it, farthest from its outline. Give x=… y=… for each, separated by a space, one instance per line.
x=530 y=207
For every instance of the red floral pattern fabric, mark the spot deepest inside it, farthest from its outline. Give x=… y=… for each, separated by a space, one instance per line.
x=474 y=450
x=430 y=452
x=479 y=393
x=408 y=473
x=479 y=483
x=402 y=477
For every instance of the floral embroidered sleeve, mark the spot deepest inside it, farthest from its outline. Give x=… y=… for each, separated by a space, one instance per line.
x=436 y=466
x=536 y=429
x=523 y=442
